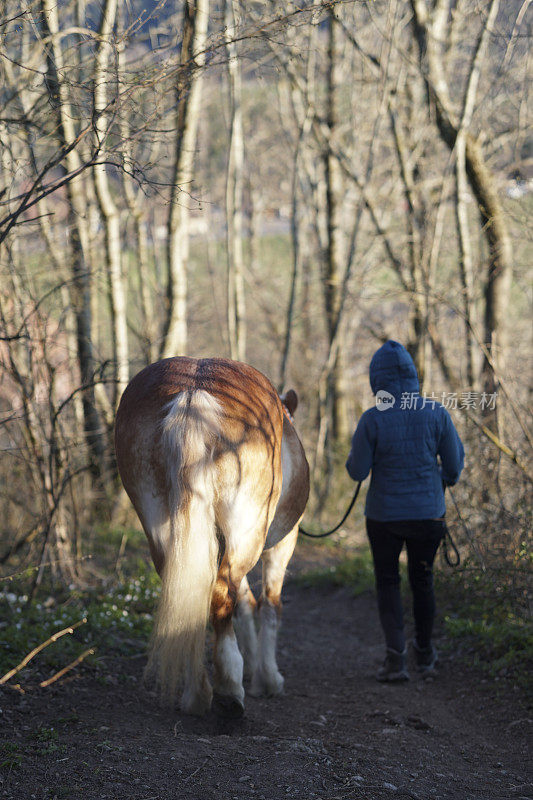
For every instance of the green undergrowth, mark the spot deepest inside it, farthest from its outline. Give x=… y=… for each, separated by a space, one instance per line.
x=118 y=623
x=111 y=546
x=487 y=619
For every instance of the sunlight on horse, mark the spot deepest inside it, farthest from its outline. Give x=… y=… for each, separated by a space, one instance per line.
x=212 y=463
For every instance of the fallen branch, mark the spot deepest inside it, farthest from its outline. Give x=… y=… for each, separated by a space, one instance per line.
x=38 y=649
x=66 y=669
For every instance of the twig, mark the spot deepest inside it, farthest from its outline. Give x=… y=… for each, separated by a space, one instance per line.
x=36 y=567
x=38 y=649
x=16 y=687
x=120 y=555
x=29 y=536
x=70 y=666
x=500 y=445
x=196 y=771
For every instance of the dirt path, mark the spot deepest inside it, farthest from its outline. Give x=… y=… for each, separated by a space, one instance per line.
x=335 y=733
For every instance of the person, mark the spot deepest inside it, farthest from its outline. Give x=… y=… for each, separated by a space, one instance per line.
x=401 y=440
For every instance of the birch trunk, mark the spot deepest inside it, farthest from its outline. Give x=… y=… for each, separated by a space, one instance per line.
x=461 y=184
x=137 y=207
x=234 y=195
x=188 y=96
x=81 y=286
x=108 y=208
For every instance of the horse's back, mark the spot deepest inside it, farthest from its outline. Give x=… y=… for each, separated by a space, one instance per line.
x=250 y=420
x=245 y=394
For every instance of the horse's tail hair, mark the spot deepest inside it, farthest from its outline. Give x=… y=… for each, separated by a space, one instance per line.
x=189 y=430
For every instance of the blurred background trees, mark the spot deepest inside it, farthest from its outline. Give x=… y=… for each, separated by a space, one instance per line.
x=289 y=183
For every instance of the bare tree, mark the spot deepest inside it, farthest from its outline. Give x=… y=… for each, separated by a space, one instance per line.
x=432 y=31
x=41 y=431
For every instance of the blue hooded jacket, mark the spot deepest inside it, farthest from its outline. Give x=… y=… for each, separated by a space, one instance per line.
x=399 y=439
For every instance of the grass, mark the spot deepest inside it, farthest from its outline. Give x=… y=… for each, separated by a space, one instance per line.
x=47 y=740
x=10 y=756
x=355 y=572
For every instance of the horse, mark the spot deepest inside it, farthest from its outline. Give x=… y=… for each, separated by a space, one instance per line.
x=209 y=456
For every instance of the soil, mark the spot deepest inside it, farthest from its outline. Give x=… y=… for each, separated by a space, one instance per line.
x=334 y=734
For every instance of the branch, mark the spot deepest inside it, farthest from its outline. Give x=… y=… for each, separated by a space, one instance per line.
x=36 y=567
x=29 y=536
x=475 y=69
x=70 y=666
x=38 y=649
x=500 y=445
x=26 y=202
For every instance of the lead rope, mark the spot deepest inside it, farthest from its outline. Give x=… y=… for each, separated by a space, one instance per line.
x=469 y=536
x=336 y=528
x=455 y=560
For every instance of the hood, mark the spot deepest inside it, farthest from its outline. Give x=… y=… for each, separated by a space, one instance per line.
x=392 y=369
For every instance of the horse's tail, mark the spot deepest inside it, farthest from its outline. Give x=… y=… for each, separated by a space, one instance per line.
x=189 y=430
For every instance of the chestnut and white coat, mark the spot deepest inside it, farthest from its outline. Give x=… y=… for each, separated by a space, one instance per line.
x=212 y=463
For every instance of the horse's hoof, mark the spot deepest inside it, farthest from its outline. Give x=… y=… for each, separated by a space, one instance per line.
x=226 y=706
x=196 y=706
x=267 y=685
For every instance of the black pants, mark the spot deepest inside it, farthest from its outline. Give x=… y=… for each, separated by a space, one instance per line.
x=422 y=538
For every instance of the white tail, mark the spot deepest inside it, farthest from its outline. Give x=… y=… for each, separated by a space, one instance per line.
x=189 y=431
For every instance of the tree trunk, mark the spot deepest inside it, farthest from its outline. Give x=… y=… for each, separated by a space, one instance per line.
x=419 y=341
x=147 y=308
x=234 y=195
x=108 y=209
x=80 y=287
x=332 y=268
x=188 y=97
x=466 y=267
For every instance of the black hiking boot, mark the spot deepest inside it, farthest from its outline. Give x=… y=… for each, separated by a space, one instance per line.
x=394 y=669
x=426 y=658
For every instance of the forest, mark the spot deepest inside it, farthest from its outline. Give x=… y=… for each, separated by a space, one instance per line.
x=288 y=184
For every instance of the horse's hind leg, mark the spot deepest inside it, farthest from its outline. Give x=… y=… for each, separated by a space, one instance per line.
x=244 y=624
x=267 y=678
x=228 y=694
x=244 y=543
